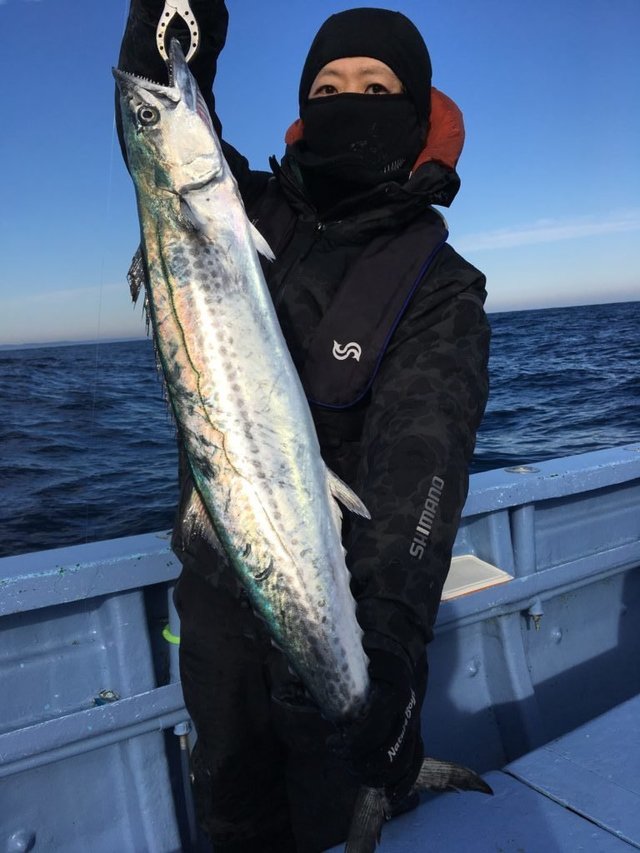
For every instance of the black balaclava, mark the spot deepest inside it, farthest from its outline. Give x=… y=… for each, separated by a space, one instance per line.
x=357 y=141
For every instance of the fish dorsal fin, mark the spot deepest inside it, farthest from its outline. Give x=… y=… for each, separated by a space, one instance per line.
x=262 y=247
x=139 y=280
x=136 y=275
x=346 y=496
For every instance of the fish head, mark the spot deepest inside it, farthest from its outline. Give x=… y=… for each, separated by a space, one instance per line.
x=169 y=136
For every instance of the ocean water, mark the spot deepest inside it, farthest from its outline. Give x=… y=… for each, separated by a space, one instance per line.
x=563 y=381
x=87 y=445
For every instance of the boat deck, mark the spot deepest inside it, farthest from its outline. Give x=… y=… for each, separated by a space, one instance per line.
x=579 y=792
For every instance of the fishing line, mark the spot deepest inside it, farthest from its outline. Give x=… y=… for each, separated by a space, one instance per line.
x=93 y=445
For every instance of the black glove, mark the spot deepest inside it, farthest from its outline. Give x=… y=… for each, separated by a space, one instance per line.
x=384 y=747
x=139 y=52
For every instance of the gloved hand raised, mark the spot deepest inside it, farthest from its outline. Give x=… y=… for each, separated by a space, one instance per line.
x=384 y=747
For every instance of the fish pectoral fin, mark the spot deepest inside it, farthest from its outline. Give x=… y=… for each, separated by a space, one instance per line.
x=437 y=775
x=262 y=247
x=346 y=495
x=197 y=522
x=370 y=811
x=189 y=215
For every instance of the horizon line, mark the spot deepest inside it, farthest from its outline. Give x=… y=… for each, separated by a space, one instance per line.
x=63 y=342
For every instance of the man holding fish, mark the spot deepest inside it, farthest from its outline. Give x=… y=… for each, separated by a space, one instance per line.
x=385 y=326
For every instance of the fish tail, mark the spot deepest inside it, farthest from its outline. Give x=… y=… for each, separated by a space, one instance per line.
x=369 y=813
x=372 y=807
x=437 y=775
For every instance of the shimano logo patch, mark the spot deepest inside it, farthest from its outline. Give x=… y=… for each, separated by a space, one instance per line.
x=427 y=517
x=350 y=350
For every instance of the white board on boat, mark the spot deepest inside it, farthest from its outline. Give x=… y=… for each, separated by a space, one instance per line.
x=470 y=574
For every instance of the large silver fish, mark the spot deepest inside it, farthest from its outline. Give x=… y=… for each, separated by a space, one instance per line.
x=235 y=393
x=263 y=493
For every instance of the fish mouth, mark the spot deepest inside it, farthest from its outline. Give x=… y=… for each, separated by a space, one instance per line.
x=175 y=67
x=136 y=80
x=182 y=86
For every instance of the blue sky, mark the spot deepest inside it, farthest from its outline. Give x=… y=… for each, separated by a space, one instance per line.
x=550 y=202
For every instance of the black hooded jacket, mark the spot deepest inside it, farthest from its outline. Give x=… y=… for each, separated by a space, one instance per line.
x=400 y=430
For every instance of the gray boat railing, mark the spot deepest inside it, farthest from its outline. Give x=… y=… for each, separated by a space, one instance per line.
x=498 y=523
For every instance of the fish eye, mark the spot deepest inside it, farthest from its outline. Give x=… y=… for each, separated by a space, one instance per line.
x=148 y=115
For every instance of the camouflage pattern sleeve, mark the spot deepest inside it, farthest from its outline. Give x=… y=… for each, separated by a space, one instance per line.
x=427 y=403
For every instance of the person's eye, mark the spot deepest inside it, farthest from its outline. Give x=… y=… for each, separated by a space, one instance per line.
x=376 y=89
x=326 y=89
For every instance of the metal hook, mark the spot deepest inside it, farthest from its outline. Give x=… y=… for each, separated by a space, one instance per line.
x=182 y=9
